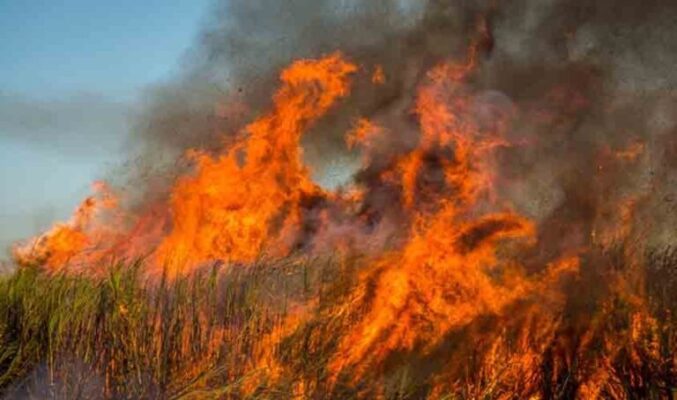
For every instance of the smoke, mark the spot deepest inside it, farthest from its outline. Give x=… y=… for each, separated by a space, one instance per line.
x=576 y=102
x=583 y=85
x=584 y=90
x=65 y=126
x=74 y=379
x=598 y=73
x=233 y=69
x=65 y=139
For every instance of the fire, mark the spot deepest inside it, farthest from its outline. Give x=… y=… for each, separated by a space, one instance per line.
x=379 y=76
x=632 y=152
x=234 y=206
x=448 y=272
x=456 y=257
x=362 y=134
x=249 y=199
x=65 y=243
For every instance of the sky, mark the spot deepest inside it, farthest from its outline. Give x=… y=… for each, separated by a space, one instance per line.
x=70 y=73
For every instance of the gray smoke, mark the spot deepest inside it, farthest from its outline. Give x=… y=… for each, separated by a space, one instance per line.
x=587 y=79
x=65 y=126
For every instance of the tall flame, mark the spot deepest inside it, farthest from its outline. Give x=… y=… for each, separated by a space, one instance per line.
x=251 y=196
x=448 y=272
x=457 y=252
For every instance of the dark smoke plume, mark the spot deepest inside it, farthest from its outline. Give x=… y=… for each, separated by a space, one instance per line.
x=585 y=78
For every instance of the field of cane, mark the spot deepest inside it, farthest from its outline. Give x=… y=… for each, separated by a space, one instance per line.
x=225 y=333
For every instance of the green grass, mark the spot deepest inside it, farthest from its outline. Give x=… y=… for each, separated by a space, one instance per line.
x=128 y=336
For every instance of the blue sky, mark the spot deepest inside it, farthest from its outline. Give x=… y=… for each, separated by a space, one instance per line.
x=70 y=72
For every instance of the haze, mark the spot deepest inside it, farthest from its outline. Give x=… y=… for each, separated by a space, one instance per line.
x=70 y=74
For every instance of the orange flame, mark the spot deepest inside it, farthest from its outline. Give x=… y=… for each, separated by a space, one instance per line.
x=65 y=242
x=445 y=274
x=458 y=254
x=250 y=197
